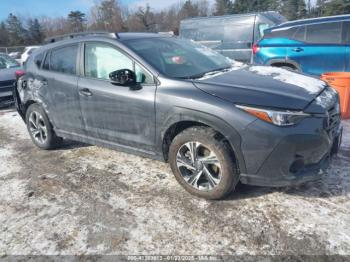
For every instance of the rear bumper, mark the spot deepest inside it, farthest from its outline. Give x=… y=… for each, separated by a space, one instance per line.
x=296 y=159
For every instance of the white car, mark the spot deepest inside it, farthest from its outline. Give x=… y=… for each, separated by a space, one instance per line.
x=27 y=51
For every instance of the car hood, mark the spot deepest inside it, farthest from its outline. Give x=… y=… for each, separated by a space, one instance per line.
x=8 y=74
x=263 y=86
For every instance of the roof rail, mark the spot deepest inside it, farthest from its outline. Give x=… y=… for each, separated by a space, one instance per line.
x=54 y=39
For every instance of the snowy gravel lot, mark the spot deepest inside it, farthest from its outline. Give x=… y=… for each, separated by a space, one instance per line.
x=83 y=199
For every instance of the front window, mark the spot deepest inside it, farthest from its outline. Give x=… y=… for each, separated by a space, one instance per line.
x=102 y=59
x=7 y=62
x=179 y=58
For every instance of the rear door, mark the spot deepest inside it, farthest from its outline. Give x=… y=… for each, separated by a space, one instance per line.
x=59 y=75
x=319 y=49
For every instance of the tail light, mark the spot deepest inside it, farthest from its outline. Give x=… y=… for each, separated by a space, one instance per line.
x=19 y=73
x=256 y=49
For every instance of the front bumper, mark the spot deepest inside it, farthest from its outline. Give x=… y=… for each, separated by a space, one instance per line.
x=6 y=89
x=302 y=154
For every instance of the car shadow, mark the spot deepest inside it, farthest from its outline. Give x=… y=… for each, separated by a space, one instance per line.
x=70 y=144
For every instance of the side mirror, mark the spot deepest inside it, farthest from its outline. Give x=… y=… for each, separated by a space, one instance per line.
x=123 y=77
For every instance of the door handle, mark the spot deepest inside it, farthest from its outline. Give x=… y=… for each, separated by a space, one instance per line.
x=298 y=49
x=85 y=92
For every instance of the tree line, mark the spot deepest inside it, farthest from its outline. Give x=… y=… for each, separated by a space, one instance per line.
x=111 y=15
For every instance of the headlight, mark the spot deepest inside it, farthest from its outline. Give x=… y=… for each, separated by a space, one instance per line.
x=278 y=118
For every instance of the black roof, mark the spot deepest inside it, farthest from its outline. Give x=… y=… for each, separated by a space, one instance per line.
x=73 y=38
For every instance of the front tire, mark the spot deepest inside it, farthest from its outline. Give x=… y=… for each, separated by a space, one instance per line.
x=203 y=163
x=40 y=128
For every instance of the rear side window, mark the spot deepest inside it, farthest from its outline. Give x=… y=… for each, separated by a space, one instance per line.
x=64 y=60
x=346 y=28
x=38 y=60
x=325 y=33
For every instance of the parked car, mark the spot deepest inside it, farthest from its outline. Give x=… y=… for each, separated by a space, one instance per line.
x=311 y=46
x=27 y=52
x=17 y=56
x=231 y=35
x=214 y=120
x=8 y=67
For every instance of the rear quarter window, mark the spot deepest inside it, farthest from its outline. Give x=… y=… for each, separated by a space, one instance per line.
x=299 y=34
x=281 y=33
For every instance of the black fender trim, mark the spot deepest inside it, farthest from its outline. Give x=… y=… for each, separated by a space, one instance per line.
x=183 y=114
x=285 y=61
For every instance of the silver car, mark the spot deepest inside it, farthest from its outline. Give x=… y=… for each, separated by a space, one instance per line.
x=8 y=68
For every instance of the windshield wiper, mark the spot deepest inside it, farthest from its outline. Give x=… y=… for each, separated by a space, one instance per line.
x=211 y=72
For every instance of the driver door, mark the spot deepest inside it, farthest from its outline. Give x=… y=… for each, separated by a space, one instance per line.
x=118 y=114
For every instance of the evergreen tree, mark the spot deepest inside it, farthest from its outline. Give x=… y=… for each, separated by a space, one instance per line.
x=189 y=9
x=35 y=32
x=337 y=7
x=3 y=35
x=294 y=9
x=223 y=7
x=16 y=33
x=243 y=6
x=77 y=21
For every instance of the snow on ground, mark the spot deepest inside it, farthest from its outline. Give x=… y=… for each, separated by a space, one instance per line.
x=82 y=199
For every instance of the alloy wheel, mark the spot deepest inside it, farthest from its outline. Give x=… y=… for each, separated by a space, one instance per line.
x=37 y=127
x=199 y=166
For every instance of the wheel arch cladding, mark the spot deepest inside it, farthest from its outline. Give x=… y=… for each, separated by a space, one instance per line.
x=179 y=122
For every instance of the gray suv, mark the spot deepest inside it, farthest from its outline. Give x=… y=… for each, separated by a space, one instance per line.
x=216 y=121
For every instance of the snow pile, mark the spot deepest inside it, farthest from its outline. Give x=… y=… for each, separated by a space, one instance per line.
x=8 y=164
x=310 y=84
x=11 y=120
x=235 y=65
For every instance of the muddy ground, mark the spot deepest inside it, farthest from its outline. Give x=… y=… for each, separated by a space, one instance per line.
x=83 y=199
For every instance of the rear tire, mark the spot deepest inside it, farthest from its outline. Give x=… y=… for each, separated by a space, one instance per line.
x=203 y=163
x=40 y=129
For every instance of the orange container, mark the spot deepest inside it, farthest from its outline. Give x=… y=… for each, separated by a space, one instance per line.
x=340 y=81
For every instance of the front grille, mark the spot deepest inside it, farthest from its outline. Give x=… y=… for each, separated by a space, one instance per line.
x=6 y=86
x=6 y=83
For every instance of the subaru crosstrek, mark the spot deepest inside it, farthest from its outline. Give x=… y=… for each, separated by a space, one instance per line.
x=216 y=121
x=312 y=46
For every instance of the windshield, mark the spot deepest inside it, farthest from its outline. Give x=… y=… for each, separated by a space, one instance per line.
x=7 y=62
x=179 y=58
